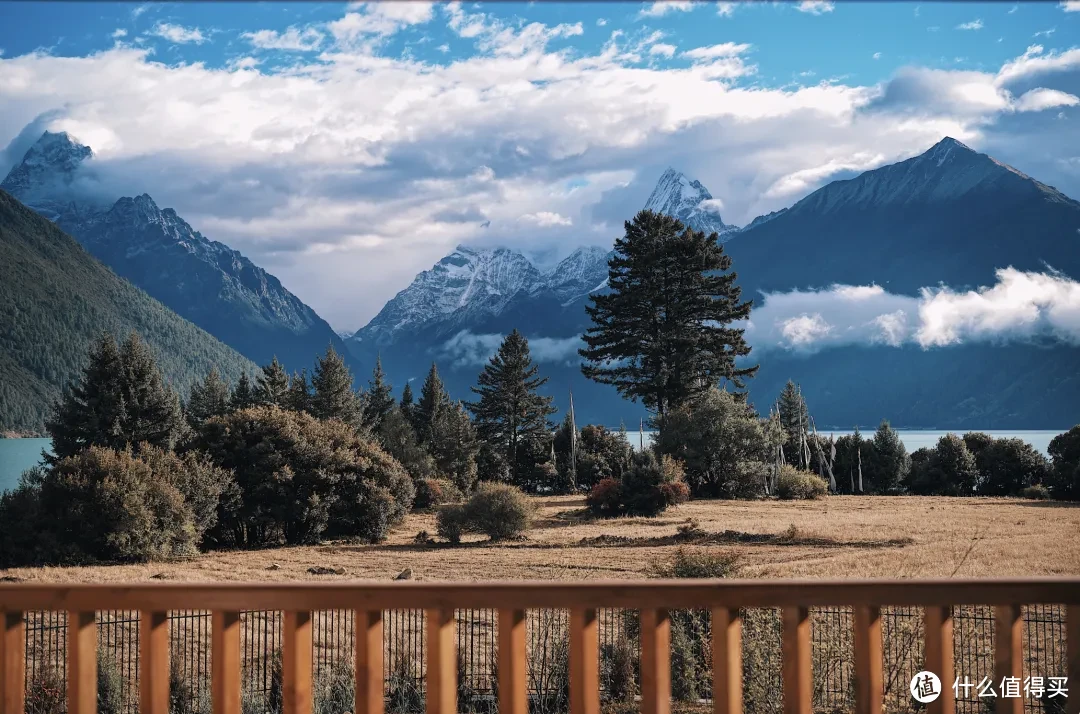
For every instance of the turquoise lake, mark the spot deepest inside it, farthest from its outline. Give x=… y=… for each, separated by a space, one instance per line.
x=17 y=455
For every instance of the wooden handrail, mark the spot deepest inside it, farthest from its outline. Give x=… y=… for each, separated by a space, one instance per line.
x=654 y=599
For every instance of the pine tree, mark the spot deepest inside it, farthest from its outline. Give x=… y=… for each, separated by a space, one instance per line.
x=663 y=333
x=334 y=397
x=509 y=412
x=208 y=398
x=380 y=396
x=795 y=418
x=890 y=463
x=120 y=400
x=273 y=384
x=454 y=446
x=244 y=395
x=398 y=438
x=433 y=398
x=407 y=404
x=299 y=397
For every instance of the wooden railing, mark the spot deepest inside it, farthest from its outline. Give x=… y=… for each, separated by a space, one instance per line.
x=654 y=599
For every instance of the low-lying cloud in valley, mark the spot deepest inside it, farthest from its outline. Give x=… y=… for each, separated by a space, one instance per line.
x=1019 y=306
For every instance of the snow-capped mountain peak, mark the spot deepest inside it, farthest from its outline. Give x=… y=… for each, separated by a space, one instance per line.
x=43 y=179
x=681 y=197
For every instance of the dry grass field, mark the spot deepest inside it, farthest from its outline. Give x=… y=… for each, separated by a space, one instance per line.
x=839 y=537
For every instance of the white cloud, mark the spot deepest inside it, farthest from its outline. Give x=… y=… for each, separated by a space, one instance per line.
x=600 y=22
x=663 y=50
x=1070 y=5
x=179 y=34
x=1013 y=9
x=659 y=9
x=1019 y=306
x=305 y=40
x=973 y=25
x=727 y=49
x=1037 y=100
x=366 y=20
x=725 y=9
x=545 y=219
x=815 y=7
x=1045 y=33
x=877 y=55
x=118 y=33
x=798 y=182
x=712 y=205
x=466 y=349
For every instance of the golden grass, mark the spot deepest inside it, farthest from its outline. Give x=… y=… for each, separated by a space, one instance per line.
x=838 y=537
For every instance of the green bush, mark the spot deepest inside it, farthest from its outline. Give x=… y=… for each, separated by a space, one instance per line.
x=647 y=488
x=795 y=485
x=499 y=511
x=432 y=492
x=452 y=522
x=46 y=693
x=1036 y=492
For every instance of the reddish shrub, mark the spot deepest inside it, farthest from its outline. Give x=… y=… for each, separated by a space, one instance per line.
x=605 y=499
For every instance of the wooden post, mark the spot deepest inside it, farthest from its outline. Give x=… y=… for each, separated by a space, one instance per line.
x=225 y=662
x=442 y=662
x=369 y=661
x=584 y=662
x=296 y=662
x=869 y=684
x=1072 y=668
x=798 y=685
x=938 y=657
x=154 y=662
x=513 y=686
x=12 y=662
x=727 y=661
x=655 y=662
x=82 y=663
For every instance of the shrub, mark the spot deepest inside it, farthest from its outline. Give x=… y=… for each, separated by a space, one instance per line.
x=46 y=693
x=1065 y=454
x=1036 y=492
x=335 y=689
x=110 y=685
x=697 y=563
x=618 y=669
x=185 y=697
x=605 y=499
x=499 y=511
x=451 y=522
x=431 y=492
x=300 y=479
x=795 y=485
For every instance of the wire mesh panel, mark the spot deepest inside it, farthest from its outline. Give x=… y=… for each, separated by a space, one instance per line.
x=260 y=645
x=404 y=660
x=833 y=649
x=1044 y=652
x=902 y=634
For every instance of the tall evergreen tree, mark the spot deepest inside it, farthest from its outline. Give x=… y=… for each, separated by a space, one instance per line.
x=244 y=395
x=334 y=397
x=398 y=438
x=299 y=397
x=509 y=412
x=272 y=386
x=120 y=400
x=208 y=398
x=433 y=398
x=890 y=462
x=663 y=333
x=380 y=395
x=795 y=418
x=407 y=404
x=454 y=446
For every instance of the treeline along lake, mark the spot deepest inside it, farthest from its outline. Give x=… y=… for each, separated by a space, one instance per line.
x=17 y=455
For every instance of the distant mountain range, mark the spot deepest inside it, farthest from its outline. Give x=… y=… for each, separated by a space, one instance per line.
x=950 y=216
x=55 y=299
x=202 y=280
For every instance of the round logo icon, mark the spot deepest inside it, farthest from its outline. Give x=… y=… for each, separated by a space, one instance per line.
x=925 y=687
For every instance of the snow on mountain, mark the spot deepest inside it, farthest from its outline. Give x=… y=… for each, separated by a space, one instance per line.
x=678 y=196
x=204 y=281
x=579 y=273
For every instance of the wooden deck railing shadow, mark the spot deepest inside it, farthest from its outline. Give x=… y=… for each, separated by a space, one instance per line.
x=724 y=600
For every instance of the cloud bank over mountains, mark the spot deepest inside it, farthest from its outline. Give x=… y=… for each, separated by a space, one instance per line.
x=350 y=171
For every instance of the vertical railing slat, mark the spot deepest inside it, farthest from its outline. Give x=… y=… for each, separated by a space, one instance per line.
x=1008 y=656
x=584 y=662
x=655 y=661
x=798 y=685
x=12 y=662
x=154 y=662
x=225 y=661
x=938 y=657
x=442 y=662
x=82 y=663
x=869 y=660
x=296 y=664
x=369 y=661
x=513 y=685
x=727 y=661
x=1072 y=648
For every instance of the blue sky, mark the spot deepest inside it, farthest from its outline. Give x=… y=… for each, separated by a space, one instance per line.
x=347 y=147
